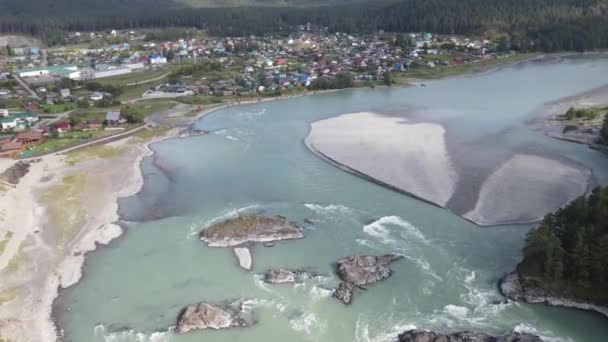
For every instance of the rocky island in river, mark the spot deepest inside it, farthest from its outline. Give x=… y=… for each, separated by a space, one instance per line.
x=285 y=276
x=464 y=336
x=248 y=229
x=359 y=271
x=212 y=316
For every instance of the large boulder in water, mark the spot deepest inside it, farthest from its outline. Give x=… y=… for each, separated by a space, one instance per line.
x=465 y=336
x=250 y=228
x=211 y=316
x=358 y=271
x=284 y=276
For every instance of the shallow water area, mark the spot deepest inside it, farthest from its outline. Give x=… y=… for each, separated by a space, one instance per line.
x=255 y=161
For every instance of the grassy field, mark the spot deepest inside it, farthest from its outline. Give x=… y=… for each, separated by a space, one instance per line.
x=200 y=99
x=443 y=71
x=8 y=295
x=16 y=261
x=91 y=114
x=57 y=108
x=147 y=134
x=66 y=139
x=63 y=204
x=134 y=77
x=136 y=91
x=4 y=241
x=93 y=152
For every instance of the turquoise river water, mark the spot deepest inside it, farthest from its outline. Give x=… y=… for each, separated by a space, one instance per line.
x=254 y=161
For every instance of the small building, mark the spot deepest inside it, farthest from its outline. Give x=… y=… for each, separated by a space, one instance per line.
x=32 y=72
x=96 y=96
x=65 y=93
x=104 y=70
x=8 y=122
x=11 y=148
x=30 y=137
x=95 y=124
x=65 y=70
x=112 y=118
x=63 y=127
x=158 y=60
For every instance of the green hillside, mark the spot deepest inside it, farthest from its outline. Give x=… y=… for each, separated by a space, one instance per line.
x=262 y=3
x=547 y=25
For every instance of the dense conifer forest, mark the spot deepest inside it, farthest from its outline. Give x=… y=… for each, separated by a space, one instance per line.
x=569 y=250
x=546 y=25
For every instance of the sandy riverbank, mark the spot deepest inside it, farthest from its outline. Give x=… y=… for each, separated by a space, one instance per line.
x=414 y=158
x=61 y=210
x=549 y=118
x=41 y=255
x=411 y=157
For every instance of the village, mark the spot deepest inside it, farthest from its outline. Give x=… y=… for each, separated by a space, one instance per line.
x=99 y=83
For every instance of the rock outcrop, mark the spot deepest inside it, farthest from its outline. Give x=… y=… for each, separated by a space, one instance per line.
x=358 y=271
x=211 y=316
x=249 y=228
x=284 y=276
x=529 y=289
x=464 y=336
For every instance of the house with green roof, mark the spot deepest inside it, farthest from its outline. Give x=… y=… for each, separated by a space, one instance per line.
x=18 y=120
x=64 y=70
x=8 y=122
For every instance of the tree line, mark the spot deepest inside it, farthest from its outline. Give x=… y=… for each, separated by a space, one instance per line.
x=569 y=250
x=547 y=25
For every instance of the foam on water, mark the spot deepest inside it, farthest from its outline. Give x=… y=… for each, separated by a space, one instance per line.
x=131 y=335
x=234 y=134
x=318 y=293
x=330 y=210
x=382 y=332
x=381 y=229
x=308 y=323
x=480 y=304
x=251 y=115
x=250 y=304
x=460 y=312
x=317 y=288
x=400 y=236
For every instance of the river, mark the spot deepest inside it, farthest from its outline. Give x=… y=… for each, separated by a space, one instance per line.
x=255 y=161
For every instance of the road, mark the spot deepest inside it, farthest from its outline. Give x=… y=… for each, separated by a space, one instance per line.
x=101 y=140
x=25 y=86
x=150 y=80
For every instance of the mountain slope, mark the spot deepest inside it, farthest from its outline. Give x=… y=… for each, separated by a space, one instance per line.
x=548 y=25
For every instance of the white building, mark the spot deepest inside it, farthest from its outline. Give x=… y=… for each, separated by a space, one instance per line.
x=112 y=71
x=96 y=96
x=158 y=60
x=134 y=66
x=33 y=72
x=8 y=123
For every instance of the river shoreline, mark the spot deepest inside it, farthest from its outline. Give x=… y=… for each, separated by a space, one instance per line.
x=513 y=287
x=70 y=259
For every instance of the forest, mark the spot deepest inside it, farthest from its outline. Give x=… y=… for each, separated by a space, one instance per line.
x=569 y=250
x=545 y=25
